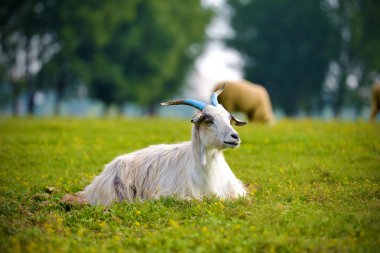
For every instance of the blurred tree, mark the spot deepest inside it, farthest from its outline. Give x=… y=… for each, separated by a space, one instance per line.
x=151 y=53
x=136 y=51
x=81 y=31
x=20 y=24
x=287 y=46
x=357 y=21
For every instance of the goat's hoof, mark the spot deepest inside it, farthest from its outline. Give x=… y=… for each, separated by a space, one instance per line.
x=74 y=199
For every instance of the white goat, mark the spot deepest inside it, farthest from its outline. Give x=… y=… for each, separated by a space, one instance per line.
x=192 y=169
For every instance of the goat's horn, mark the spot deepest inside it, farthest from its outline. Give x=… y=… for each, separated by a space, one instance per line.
x=214 y=96
x=194 y=103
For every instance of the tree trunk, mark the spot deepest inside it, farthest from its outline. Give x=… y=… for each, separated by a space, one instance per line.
x=106 y=110
x=341 y=92
x=120 y=112
x=59 y=93
x=361 y=101
x=14 y=100
x=319 y=108
x=30 y=84
x=58 y=99
x=14 y=105
x=152 y=110
x=290 y=107
x=31 y=101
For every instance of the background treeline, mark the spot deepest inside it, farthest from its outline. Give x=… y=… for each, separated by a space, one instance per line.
x=137 y=50
x=309 y=54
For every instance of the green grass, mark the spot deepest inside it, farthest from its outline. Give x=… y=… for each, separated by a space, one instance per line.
x=314 y=188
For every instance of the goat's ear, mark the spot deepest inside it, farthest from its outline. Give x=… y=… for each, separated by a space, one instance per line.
x=237 y=122
x=198 y=118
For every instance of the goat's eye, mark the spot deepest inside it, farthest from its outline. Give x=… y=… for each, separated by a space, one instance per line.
x=209 y=122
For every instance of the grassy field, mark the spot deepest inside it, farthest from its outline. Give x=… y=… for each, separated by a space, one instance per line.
x=315 y=187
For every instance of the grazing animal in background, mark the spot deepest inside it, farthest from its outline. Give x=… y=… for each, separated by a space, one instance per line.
x=375 y=100
x=188 y=170
x=249 y=98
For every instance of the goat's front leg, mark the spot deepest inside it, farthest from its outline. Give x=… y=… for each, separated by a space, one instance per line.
x=76 y=198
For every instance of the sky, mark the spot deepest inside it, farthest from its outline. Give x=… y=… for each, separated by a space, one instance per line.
x=217 y=63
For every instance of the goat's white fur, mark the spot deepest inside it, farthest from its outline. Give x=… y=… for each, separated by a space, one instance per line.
x=192 y=169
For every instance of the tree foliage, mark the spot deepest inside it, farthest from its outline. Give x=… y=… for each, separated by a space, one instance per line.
x=20 y=26
x=287 y=46
x=365 y=32
x=161 y=39
x=360 y=40
x=125 y=51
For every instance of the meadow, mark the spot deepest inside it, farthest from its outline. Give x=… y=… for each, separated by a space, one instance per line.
x=314 y=187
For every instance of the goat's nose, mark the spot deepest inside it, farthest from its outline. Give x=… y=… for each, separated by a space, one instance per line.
x=235 y=136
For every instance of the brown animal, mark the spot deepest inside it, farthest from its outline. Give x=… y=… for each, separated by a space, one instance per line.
x=246 y=97
x=375 y=100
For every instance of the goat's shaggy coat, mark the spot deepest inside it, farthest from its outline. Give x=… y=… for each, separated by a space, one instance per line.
x=375 y=100
x=192 y=169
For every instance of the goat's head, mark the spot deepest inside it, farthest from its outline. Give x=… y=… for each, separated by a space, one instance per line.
x=213 y=122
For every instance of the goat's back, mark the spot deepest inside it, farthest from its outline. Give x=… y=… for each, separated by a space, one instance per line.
x=144 y=174
x=243 y=96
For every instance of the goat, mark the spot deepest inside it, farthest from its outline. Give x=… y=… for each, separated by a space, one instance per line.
x=252 y=99
x=187 y=170
x=375 y=100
